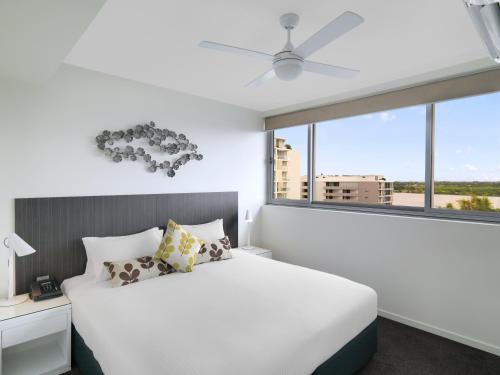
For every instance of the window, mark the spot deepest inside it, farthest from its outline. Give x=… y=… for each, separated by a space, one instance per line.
x=290 y=152
x=440 y=160
x=467 y=154
x=376 y=159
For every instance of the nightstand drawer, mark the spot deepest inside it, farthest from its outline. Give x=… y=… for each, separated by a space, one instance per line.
x=34 y=329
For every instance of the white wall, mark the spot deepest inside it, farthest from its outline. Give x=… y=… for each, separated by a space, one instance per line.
x=47 y=143
x=441 y=276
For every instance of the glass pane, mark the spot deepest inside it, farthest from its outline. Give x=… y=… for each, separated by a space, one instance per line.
x=376 y=159
x=290 y=163
x=467 y=154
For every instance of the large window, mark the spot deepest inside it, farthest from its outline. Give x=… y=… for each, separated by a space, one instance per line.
x=375 y=159
x=467 y=154
x=289 y=177
x=440 y=159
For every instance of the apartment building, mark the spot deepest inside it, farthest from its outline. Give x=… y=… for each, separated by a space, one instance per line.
x=286 y=173
x=370 y=189
x=289 y=184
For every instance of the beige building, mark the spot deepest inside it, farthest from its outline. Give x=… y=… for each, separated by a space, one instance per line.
x=369 y=189
x=289 y=184
x=286 y=174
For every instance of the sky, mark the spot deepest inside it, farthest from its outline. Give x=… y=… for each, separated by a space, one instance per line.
x=392 y=143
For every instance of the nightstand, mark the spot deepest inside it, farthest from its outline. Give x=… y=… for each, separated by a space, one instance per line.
x=35 y=337
x=259 y=252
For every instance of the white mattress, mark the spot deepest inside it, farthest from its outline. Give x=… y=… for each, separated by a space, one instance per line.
x=246 y=315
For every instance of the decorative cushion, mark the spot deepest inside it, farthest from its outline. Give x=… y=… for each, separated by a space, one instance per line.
x=178 y=248
x=102 y=249
x=214 y=251
x=131 y=271
x=206 y=232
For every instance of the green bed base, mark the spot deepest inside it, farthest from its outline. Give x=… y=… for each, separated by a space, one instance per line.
x=82 y=357
x=351 y=358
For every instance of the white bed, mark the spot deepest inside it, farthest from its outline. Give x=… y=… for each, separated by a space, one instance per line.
x=246 y=315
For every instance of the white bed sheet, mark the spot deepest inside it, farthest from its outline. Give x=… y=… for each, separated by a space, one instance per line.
x=246 y=315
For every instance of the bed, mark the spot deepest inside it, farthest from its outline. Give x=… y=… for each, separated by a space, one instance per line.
x=245 y=315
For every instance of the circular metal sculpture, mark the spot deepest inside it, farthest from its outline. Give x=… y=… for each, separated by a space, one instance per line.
x=155 y=138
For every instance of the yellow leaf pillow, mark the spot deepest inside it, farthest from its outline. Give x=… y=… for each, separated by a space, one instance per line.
x=178 y=248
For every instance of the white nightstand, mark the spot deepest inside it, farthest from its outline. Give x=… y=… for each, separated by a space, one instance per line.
x=259 y=252
x=35 y=337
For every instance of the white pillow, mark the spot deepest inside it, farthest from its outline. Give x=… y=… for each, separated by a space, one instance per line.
x=208 y=232
x=112 y=249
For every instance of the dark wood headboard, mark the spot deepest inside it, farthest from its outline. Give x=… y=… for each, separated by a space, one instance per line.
x=55 y=226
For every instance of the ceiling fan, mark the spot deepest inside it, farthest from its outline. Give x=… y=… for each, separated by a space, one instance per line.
x=289 y=63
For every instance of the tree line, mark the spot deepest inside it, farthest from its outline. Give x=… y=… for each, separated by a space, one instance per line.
x=478 y=192
x=478 y=188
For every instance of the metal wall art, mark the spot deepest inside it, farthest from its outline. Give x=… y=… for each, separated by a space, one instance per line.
x=155 y=138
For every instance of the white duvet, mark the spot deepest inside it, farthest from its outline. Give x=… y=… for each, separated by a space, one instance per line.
x=246 y=315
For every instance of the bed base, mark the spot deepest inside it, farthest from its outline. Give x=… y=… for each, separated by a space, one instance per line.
x=351 y=358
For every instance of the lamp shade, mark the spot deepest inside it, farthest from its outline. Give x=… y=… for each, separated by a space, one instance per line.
x=20 y=247
x=248 y=216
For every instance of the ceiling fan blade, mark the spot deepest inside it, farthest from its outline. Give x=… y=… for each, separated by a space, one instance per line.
x=236 y=50
x=261 y=79
x=336 y=28
x=329 y=70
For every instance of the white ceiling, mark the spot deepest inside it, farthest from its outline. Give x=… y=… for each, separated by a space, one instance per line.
x=155 y=41
x=35 y=36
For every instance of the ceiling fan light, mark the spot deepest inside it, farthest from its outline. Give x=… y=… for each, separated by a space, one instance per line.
x=288 y=69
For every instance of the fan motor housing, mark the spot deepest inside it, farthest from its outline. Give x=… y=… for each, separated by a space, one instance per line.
x=289 y=20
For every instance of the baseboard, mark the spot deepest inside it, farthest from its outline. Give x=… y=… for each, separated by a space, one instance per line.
x=441 y=332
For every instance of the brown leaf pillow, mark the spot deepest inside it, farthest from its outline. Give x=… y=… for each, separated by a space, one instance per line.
x=131 y=271
x=214 y=251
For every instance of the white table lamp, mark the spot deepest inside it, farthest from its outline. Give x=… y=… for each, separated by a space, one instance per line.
x=16 y=245
x=249 y=220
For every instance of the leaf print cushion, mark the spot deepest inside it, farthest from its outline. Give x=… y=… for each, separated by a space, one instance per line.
x=135 y=270
x=179 y=248
x=215 y=251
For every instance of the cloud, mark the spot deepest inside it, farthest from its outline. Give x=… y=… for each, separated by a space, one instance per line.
x=467 y=150
x=386 y=116
x=490 y=177
x=383 y=116
x=471 y=168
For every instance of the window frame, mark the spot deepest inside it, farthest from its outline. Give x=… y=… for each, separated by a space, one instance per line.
x=428 y=211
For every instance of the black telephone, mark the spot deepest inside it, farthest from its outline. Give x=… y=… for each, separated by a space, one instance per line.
x=45 y=287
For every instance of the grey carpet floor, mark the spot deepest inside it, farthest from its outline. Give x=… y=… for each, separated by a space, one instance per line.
x=404 y=350
x=409 y=351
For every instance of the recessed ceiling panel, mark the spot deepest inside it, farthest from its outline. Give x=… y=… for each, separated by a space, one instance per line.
x=156 y=42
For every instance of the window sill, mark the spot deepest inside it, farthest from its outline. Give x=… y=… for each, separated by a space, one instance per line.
x=438 y=214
